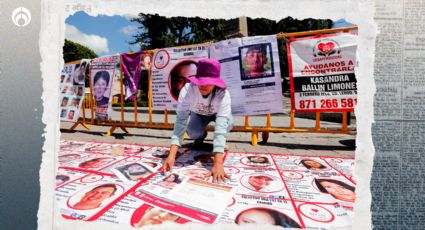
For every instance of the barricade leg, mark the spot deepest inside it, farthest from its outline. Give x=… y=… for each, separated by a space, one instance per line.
x=265 y=136
x=254 y=137
x=111 y=130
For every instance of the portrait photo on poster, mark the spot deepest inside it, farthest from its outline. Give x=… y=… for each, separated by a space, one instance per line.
x=147 y=215
x=265 y=216
x=132 y=172
x=95 y=197
x=256 y=61
x=179 y=75
x=95 y=163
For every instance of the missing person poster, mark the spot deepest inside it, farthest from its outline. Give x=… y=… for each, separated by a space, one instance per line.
x=89 y=197
x=72 y=89
x=102 y=72
x=132 y=66
x=322 y=72
x=205 y=204
x=250 y=67
x=170 y=70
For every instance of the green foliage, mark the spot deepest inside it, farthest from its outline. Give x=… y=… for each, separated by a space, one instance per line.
x=73 y=51
x=159 y=32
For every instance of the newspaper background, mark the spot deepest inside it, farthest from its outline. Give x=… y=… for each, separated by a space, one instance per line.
x=55 y=12
x=398 y=178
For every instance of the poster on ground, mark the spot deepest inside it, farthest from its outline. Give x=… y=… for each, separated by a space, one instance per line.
x=250 y=67
x=72 y=87
x=170 y=70
x=102 y=72
x=205 y=204
x=314 y=192
x=322 y=75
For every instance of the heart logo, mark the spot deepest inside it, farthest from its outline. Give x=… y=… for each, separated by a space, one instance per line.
x=326 y=47
x=160 y=57
x=314 y=210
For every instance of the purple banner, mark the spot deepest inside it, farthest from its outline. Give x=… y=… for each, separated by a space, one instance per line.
x=132 y=70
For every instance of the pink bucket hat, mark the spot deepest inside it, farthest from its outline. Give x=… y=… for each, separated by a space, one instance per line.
x=208 y=73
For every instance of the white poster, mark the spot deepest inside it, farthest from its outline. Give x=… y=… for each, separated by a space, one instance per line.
x=250 y=68
x=322 y=73
x=72 y=89
x=102 y=72
x=170 y=70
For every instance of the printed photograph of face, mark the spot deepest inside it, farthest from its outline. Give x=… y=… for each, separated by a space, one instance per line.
x=101 y=87
x=261 y=182
x=95 y=197
x=99 y=148
x=134 y=171
x=170 y=181
x=256 y=161
x=71 y=114
x=64 y=102
x=60 y=179
x=256 y=61
x=146 y=61
x=82 y=73
x=311 y=164
x=148 y=215
x=76 y=74
x=75 y=102
x=265 y=216
x=63 y=113
x=133 y=149
x=337 y=189
x=96 y=162
x=178 y=76
x=79 y=91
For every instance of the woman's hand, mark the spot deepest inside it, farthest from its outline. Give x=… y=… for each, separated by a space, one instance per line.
x=168 y=164
x=217 y=171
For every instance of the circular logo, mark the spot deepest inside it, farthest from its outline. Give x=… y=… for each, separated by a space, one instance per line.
x=161 y=59
x=326 y=47
x=21 y=17
x=292 y=175
x=91 y=178
x=316 y=213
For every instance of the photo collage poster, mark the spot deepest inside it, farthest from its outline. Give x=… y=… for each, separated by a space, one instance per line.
x=277 y=189
x=322 y=75
x=250 y=67
x=103 y=72
x=72 y=89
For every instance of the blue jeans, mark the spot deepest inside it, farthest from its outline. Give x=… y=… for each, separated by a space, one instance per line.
x=196 y=129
